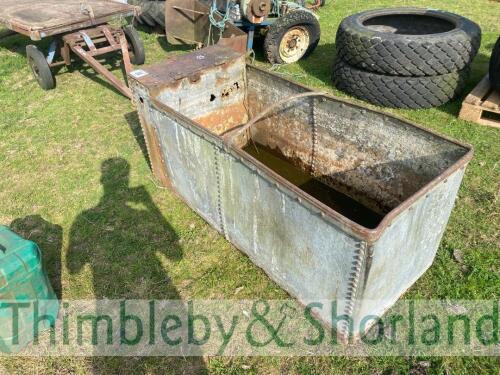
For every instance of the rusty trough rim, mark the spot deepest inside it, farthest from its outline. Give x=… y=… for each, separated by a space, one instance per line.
x=366 y=234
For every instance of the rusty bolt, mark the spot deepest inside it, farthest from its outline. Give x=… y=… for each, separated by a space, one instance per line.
x=260 y=8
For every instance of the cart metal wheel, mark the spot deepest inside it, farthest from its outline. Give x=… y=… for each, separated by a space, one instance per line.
x=294 y=44
x=40 y=68
x=292 y=37
x=135 y=45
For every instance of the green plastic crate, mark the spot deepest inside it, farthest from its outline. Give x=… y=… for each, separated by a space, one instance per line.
x=22 y=280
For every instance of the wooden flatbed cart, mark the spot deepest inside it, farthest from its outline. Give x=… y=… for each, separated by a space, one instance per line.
x=77 y=26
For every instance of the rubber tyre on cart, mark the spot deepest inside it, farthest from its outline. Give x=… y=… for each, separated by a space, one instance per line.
x=40 y=68
x=398 y=92
x=495 y=66
x=136 y=47
x=408 y=41
x=292 y=37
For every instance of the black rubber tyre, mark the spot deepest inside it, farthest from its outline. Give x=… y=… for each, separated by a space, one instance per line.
x=146 y=10
x=408 y=41
x=157 y=12
x=152 y=12
x=40 y=68
x=301 y=21
x=138 y=18
x=138 y=21
x=147 y=19
x=135 y=45
x=495 y=66
x=398 y=92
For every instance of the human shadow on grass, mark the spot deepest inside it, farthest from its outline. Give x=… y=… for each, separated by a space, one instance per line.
x=126 y=242
x=48 y=237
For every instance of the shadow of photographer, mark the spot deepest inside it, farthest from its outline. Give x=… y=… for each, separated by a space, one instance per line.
x=127 y=245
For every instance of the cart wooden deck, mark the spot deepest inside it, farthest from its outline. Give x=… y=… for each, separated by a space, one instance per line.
x=43 y=18
x=77 y=26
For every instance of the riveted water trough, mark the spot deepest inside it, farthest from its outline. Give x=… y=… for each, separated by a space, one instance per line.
x=333 y=200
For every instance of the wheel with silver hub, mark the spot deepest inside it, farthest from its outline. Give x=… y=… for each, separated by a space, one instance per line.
x=292 y=37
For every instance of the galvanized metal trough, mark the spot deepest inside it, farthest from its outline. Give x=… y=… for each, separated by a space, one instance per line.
x=334 y=201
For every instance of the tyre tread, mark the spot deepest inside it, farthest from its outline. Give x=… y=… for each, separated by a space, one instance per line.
x=398 y=92
x=398 y=55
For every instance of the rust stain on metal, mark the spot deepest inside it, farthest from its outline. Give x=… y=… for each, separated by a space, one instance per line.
x=188 y=23
x=224 y=119
x=155 y=154
x=159 y=78
x=346 y=164
x=408 y=176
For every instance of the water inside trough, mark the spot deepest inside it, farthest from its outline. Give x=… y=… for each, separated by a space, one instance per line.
x=334 y=199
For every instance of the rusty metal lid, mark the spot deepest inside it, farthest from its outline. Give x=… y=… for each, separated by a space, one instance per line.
x=182 y=66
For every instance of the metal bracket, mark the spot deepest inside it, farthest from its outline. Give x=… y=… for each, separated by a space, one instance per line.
x=52 y=51
x=83 y=44
x=88 y=40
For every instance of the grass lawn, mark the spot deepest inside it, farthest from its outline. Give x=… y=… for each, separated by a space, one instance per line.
x=55 y=146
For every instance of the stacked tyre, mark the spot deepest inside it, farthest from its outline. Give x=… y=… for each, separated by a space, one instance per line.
x=405 y=57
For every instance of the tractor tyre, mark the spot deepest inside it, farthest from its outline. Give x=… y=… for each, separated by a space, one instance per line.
x=157 y=12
